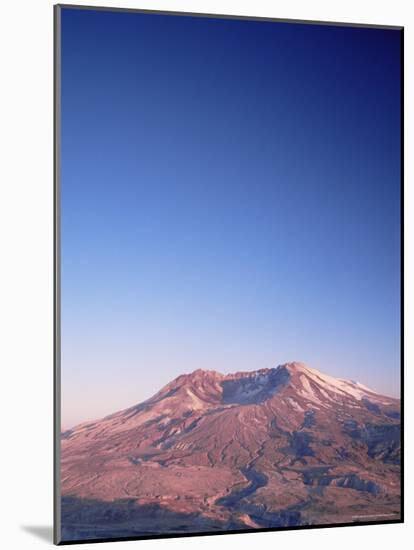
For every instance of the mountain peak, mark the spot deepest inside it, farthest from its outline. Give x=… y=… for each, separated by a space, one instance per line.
x=203 y=388
x=295 y=366
x=204 y=373
x=293 y=386
x=209 y=374
x=221 y=428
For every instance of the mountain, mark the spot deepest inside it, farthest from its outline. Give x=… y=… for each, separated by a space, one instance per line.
x=269 y=448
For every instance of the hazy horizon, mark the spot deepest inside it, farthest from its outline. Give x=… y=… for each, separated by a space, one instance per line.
x=230 y=201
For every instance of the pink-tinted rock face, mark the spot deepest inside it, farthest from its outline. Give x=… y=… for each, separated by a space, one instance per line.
x=270 y=448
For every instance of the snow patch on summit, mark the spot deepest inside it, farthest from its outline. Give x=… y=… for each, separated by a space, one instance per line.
x=338 y=386
x=307 y=390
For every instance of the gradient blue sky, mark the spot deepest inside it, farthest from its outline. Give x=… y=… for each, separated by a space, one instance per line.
x=230 y=201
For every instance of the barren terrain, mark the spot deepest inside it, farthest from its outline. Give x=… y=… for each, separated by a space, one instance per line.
x=209 y=452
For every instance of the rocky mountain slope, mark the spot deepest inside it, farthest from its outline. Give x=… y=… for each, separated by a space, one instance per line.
x=270 y=448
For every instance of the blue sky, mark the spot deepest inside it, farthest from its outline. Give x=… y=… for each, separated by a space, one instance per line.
x=230 y=201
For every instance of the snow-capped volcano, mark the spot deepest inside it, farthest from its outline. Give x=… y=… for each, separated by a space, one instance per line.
x=257 y=386
x=290 y=437
x=292 y=385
